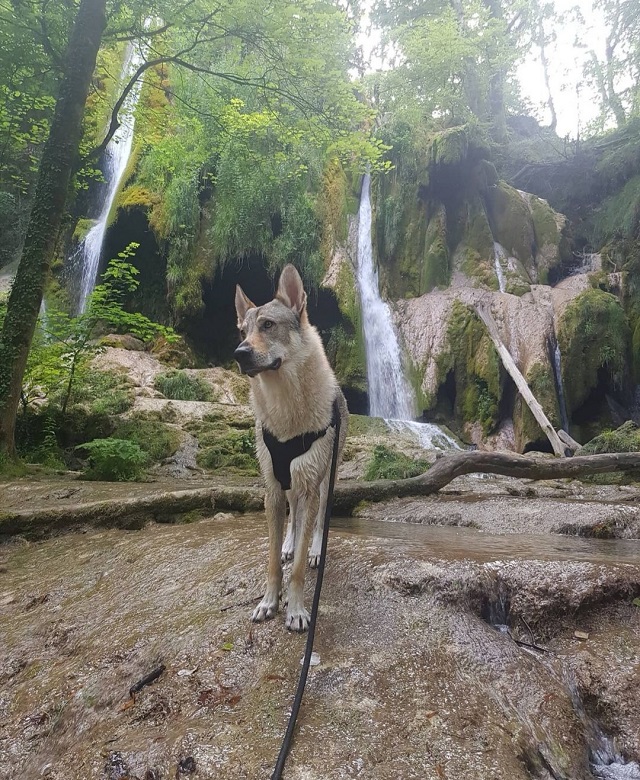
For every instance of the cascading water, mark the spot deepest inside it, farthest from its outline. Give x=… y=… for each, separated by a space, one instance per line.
x=116 y=157
x=499 y=255
x=390 y=394
x=557 y=371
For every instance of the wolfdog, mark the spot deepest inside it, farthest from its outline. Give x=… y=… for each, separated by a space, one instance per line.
x=293 y=390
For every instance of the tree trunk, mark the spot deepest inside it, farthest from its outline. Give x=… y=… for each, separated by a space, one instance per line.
x=521 y=383
x=349 y=494
x=59 y=155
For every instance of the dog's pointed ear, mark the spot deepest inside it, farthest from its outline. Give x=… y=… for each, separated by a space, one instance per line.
x=243 y=304
x=291 y=291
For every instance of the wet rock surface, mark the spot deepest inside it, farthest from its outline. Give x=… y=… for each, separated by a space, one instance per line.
x=424 y=666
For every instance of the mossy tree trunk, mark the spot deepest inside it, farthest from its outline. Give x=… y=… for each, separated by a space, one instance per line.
x=58 y=158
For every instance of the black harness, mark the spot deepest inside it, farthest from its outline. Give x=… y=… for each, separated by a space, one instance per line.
x=283 y=452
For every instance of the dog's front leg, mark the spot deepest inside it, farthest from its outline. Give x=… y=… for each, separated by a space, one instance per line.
x=318 y=528
x=275 y=506
x=290 y=539
x=297 y=615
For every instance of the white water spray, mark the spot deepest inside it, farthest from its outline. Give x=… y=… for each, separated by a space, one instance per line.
x=117 y=156
x=390 y=394
x=557 y=370
x=499 y=255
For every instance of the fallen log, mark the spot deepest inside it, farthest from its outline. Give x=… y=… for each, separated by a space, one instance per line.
x=447 y=468
x=178 y=505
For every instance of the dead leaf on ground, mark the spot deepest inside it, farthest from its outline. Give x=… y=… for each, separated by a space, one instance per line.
x=215 y=697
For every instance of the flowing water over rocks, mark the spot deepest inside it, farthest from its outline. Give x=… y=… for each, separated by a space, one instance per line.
x=117 y=156
x=390 y=394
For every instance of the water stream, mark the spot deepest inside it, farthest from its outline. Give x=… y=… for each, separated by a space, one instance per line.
x=500 y=255
x=557 y=372
x=390 y=394
x=87 y=255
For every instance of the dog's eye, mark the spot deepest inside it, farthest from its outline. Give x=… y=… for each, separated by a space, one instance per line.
x=267 y=324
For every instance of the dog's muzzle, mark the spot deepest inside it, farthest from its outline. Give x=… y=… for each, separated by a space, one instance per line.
x=245 y=358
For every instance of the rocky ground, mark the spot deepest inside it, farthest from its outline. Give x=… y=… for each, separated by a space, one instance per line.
x=490 y=631
x=419 y=676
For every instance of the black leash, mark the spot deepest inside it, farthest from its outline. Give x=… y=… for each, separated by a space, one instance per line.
x=286 y=742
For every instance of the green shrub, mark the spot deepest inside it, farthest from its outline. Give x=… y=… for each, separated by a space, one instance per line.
x=103 y=392
x=114 y=460
x=389 y=463
x=179 y=386
x=229 y=450
x=152 y=436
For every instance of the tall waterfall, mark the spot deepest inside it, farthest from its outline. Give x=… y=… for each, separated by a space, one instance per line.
x=390 y=394
x=116 y=157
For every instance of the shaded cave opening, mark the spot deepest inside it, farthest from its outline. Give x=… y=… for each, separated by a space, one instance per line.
x=150 y=298
x=214 y=335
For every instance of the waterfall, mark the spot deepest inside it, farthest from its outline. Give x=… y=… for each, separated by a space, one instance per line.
x=557 y=372
x=499 y=255
x=116 y=157
x=390 y=394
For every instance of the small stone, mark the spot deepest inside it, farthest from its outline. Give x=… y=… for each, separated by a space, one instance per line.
x=222 y=516
x=6 y=599
x=187 y=766
x=582 y=635
x=187 y=672
x=314 y=661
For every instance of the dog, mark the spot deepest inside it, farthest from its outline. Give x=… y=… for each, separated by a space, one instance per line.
x=293 y=390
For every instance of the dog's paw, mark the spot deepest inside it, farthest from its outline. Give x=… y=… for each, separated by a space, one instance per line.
x=266 y=609
x=287 y=551
x=297 y=620
x=314 y=559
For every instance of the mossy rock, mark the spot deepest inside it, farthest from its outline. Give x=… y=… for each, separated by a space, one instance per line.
x=474 y=251
x=541 y=381
x=224 y=446
x=512 y=225
x=335 y=204
x=389 y=463
x=346 y=348
x=361 y=425
x=551 y=242
x=626 y=438
x=477 y=369
x=83 y=226
x=435 y=271
x=594 y=338
x=456 y=145
x=158 y=440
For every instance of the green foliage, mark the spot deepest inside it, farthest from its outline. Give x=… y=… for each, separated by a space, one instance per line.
x=154 y=437
x=64 y=346
x=114 y=460
x=225 y=447
x=180 y=386
x=594 y=336
x=389 y=463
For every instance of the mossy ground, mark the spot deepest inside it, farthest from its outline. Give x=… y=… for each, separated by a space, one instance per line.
x=225 y=447
x=389 y=463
